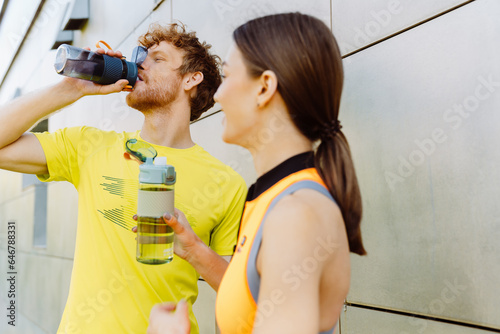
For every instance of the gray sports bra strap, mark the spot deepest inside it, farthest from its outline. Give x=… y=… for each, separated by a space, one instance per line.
x=330 y=331
x=253 y=277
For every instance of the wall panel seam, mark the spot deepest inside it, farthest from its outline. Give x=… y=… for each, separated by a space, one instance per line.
x=207 y=116
x=423 y=316
x=408 y=28
x=19 y=251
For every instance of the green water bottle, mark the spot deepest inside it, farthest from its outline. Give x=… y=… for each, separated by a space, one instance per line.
x=155 y=239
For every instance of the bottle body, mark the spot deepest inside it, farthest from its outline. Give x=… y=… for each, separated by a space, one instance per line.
x=87 y=65
x=154 y=237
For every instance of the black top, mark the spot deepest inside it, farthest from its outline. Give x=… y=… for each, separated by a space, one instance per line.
x=292 y=165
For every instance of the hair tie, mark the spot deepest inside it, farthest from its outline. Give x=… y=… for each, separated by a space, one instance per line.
x=330 y=129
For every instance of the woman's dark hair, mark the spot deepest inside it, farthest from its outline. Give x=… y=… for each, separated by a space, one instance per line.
x=305 y=57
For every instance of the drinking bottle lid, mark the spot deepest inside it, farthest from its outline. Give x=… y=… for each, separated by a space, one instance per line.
x=139 y=54
x=156 y=173
x=140 y=150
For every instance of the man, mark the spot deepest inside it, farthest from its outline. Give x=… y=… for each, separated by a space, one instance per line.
x=110 y=291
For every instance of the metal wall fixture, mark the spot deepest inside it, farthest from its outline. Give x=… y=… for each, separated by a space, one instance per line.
x=76 y=20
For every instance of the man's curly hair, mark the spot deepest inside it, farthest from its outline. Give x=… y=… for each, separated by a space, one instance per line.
x=196 y=58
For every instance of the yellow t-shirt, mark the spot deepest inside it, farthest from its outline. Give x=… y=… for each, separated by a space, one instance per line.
x=110 y=291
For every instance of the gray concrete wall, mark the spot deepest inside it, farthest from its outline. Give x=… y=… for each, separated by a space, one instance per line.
x=419 y=108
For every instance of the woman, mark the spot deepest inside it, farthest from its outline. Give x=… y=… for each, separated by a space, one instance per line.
x=290 y=272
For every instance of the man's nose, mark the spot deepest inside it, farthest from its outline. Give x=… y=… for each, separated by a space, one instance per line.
x=145 y=64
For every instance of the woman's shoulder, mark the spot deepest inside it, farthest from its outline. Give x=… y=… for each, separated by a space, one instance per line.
x=304 y=230
x=305 y=215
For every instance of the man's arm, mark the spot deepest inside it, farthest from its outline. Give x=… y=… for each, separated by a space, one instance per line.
x=23 y=153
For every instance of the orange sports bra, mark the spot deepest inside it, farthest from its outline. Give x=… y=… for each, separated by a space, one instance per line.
x=236 y=303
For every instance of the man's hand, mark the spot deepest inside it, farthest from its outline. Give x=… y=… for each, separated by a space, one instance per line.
x=169 y=318
x=85 y=87
x=185 y=240
x=188 y=246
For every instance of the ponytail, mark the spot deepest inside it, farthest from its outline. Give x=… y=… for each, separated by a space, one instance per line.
x=334 y=164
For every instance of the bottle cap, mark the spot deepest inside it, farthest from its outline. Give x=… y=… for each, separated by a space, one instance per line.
x=157 y=173
x=160 y=161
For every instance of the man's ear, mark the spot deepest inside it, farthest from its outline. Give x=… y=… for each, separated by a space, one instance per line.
x=269 y=86
x=192 y=80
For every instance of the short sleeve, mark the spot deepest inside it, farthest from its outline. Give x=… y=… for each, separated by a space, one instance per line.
x=64 y=150
x=225 y=234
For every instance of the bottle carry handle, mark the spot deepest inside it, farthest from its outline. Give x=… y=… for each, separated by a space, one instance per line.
x=98 y=45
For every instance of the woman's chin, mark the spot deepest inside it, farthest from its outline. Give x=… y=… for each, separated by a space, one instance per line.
x=225 y=138
x=230 y=138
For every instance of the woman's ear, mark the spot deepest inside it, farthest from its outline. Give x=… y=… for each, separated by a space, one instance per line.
x=192 y=80
x=269 y=86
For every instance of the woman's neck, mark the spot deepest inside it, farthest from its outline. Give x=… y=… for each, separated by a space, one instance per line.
x=270 y=155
